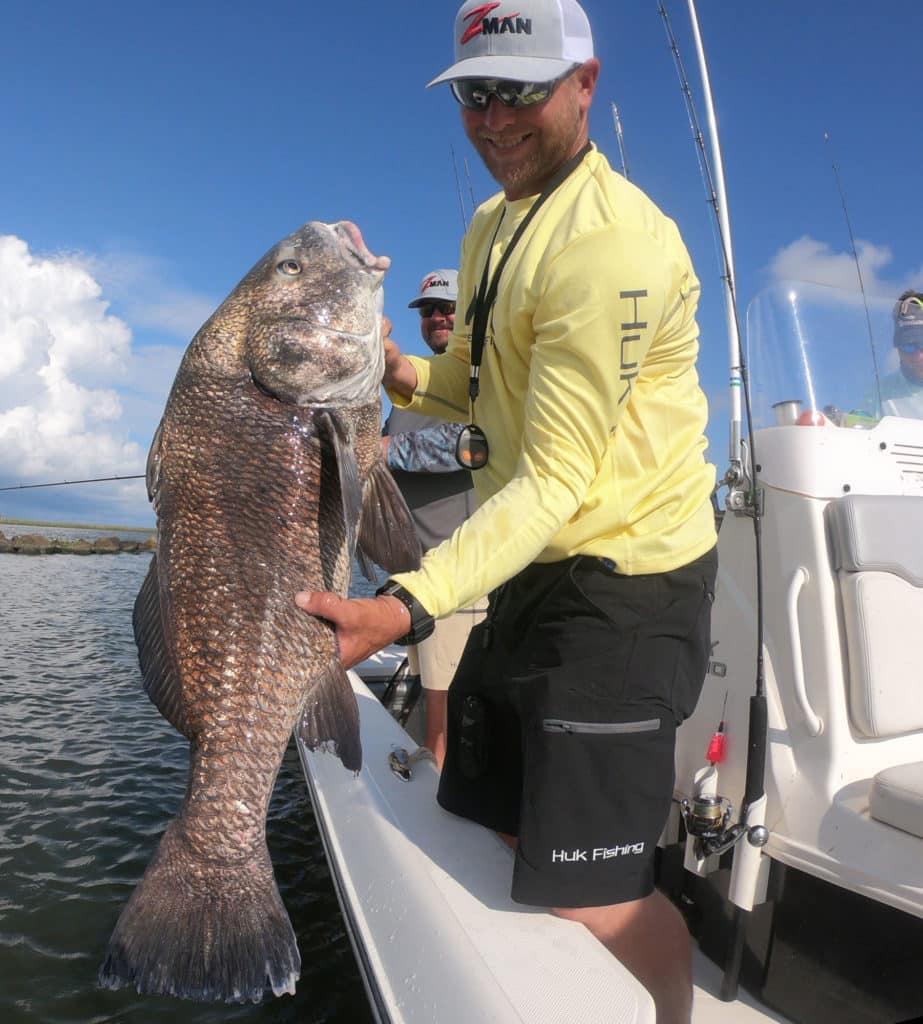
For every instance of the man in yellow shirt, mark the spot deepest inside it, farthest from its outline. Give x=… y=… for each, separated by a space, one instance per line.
x=594 y=534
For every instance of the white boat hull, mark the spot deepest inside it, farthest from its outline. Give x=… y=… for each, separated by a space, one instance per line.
x=425 y=896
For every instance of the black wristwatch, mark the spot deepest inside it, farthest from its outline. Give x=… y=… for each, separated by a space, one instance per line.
x=422 y=623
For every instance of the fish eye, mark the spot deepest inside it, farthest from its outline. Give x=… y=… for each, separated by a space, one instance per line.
x=290 y=267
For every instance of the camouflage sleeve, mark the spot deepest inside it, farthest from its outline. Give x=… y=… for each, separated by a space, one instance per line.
x=430 y=450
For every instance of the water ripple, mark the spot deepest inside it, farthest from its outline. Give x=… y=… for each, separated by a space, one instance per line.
x=91 y=776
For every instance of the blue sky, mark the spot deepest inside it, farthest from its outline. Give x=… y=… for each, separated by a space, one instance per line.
x=153 y=152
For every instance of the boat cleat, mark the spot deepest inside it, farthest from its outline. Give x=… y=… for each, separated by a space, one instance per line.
x=402 y=764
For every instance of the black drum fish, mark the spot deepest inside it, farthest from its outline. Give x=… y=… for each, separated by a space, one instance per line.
x=266 y=477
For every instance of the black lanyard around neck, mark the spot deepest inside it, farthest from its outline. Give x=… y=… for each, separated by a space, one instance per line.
x=487 y=294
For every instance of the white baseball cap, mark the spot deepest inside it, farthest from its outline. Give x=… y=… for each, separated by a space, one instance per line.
x=525 y=41
x=437 y=286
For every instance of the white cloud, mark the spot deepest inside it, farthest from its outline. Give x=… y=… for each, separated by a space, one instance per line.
x=63 y=353
x=808 y=259
x=53 y=320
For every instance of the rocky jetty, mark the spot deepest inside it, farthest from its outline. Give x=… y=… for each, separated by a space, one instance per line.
x=38 y=544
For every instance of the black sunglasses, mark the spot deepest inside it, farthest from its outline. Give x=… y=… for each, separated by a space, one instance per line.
x=475 y=93
x=428 y=308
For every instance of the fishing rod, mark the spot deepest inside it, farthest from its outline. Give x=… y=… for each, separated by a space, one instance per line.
x=743 y=497
x=620 y=138
x=717 y=199
x=855 y=256
x=461 y=202
x=71 y=483
x=474 y=204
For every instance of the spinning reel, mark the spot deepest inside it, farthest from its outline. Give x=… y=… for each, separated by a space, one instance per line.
x=707 y=820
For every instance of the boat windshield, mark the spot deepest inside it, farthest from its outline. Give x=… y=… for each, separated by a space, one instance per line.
x=812 y=357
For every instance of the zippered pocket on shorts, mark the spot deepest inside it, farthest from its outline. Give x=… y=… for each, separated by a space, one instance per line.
x=599 y=728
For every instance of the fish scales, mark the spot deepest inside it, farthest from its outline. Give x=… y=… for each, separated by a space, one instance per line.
x=266 y=473
x=248 y=640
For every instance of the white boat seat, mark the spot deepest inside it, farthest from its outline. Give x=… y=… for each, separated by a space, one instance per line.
x=897 y=797
x=877 y=549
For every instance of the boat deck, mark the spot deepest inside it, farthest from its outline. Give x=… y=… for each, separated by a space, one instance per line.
x=425 y=897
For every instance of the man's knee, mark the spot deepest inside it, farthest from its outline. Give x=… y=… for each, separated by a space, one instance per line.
x=604 y=921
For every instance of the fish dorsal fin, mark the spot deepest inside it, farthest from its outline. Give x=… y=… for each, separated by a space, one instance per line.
x=161 y=682
x=387 y=534
x=334 y=433
x=330 y=720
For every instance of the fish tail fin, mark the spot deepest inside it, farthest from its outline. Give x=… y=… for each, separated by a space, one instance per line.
x=203 y=931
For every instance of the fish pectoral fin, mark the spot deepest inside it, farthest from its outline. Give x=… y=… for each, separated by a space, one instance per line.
x=161 y=682
x=387 y=534
x=334 y=435
x=152 y=469
x=330 y=720
x=367 y=566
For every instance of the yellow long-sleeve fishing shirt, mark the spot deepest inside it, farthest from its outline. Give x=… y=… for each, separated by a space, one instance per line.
x=589 y=395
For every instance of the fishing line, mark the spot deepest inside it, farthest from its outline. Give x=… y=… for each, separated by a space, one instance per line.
x=71 y=483
x=855 y=256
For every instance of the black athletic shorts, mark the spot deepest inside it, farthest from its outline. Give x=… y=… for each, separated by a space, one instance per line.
x=562 y=722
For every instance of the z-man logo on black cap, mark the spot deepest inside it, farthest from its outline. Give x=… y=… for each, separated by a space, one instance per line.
x=482 y=25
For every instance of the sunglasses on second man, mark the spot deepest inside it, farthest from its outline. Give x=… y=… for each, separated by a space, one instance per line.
x=909 y=308
x=427 y=309
x=475 y=93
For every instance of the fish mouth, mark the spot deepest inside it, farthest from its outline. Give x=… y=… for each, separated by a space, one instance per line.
x=354 y=250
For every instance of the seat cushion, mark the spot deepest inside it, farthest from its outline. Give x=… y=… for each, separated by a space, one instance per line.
x=897 y=797
x=878 y=533
x=883 y=615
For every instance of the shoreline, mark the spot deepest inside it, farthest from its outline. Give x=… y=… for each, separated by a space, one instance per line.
x=108 y=544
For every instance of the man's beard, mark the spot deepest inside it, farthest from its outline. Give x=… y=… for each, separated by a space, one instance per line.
x=556 y=144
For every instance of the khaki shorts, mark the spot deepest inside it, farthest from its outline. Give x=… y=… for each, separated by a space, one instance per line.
x=437 y=658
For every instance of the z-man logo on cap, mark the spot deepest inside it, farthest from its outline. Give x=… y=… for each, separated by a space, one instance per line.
x=482 y=25
x=434 y=282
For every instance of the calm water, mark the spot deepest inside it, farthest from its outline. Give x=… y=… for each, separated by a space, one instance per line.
x=89 y=776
